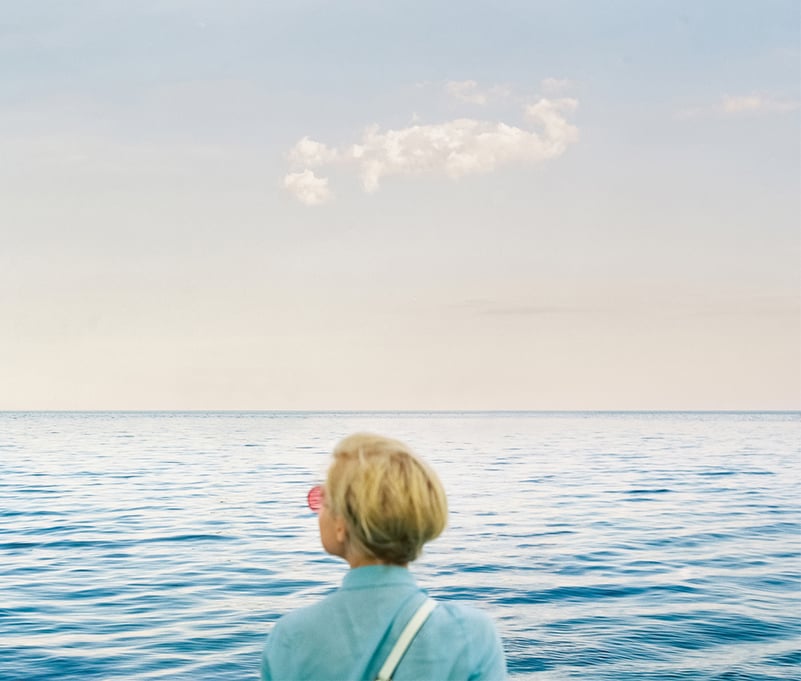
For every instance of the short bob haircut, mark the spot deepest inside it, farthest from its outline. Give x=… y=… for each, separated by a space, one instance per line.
x=391 y=501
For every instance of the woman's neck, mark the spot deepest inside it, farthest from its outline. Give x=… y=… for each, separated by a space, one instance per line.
x=358 y=561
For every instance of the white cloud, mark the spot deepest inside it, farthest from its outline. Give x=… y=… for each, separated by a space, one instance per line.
x=308 y=153
x=454 y=148
x=558 y=133
x=307 y=187
x=463 y=146
x=466 y=90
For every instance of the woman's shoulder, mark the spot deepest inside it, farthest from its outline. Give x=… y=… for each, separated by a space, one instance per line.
x=301 y=620
x=470 y=636
x=465 y=614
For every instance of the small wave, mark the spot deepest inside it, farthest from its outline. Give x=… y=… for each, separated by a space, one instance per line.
x=187 y=538
x=659 y=490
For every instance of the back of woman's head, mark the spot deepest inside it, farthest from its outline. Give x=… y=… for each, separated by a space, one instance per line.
x=392 y=502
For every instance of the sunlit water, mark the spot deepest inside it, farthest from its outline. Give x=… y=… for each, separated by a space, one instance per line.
x=605 y=546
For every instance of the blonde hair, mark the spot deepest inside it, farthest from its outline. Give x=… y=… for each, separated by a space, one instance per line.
x=391 y=501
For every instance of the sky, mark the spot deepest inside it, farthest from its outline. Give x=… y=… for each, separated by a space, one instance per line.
x=311 y=205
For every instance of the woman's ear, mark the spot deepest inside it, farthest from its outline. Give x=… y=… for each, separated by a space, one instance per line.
x=341 y=529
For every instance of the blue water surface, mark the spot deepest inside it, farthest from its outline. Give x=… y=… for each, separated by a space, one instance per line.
x=613 y=546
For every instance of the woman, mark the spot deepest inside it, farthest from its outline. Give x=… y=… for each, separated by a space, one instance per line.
x=378 y=507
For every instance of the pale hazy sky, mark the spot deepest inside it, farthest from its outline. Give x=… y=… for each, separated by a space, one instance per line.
x=418 y=205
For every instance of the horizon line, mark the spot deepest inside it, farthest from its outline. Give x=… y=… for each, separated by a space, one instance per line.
x=400 y=411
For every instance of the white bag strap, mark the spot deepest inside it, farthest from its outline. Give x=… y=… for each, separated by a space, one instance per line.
x=405 y=639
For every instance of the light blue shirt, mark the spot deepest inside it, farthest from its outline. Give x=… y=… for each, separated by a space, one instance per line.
x=349 y=634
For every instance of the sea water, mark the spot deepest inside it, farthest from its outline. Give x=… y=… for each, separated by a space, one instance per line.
x=613 y=546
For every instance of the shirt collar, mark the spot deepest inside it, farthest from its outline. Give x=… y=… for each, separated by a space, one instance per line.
x=371 y=576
